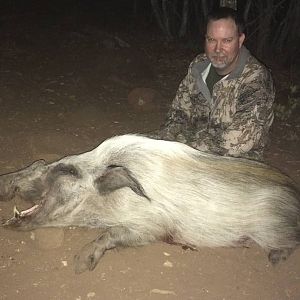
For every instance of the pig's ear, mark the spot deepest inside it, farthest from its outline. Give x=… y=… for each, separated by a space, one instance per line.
x=37 y=164
x=116 y=177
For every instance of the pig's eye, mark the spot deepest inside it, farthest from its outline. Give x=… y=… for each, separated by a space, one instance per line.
x=63 y=169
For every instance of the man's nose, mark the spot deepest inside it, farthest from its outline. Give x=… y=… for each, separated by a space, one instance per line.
x=218 y=46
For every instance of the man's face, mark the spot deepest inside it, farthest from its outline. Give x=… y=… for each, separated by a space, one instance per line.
x=222 y=44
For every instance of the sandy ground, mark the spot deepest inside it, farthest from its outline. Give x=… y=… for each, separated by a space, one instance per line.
x=64 y=89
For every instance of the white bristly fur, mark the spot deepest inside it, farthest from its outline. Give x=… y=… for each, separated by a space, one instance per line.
x=196 y=198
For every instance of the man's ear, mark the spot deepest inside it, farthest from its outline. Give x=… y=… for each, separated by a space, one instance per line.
x=241 y=39
x=117 y=177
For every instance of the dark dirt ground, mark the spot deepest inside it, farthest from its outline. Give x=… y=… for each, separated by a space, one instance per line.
x=64 y=88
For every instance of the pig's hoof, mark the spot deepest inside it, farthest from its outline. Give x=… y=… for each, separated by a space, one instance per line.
x=275 y=256
x=87 y=258
x=83 y=264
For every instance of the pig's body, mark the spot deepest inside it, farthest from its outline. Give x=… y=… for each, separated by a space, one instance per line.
x=140 y=190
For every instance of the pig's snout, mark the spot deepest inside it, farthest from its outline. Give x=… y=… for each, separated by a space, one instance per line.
x=8 y=188
x=12 y=183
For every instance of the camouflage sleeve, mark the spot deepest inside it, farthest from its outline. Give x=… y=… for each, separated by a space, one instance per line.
x=178 y=115
x=177 y=125
x=251 y=122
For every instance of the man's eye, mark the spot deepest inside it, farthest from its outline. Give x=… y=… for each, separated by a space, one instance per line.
x=210 y=40
x=227 y=41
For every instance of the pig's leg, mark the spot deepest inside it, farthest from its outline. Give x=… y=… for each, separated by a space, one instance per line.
x=119 y=236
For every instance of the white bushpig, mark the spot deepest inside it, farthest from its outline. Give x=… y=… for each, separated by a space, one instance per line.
x=139 y=190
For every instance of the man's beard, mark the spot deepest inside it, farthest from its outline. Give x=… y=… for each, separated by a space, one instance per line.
x=218 y=61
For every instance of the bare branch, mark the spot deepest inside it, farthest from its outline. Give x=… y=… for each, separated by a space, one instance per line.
x=185 y=12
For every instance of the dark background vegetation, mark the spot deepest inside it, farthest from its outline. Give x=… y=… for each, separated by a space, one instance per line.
x=272 y=25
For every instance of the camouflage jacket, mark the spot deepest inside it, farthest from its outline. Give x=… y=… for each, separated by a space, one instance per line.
x=234 y=120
